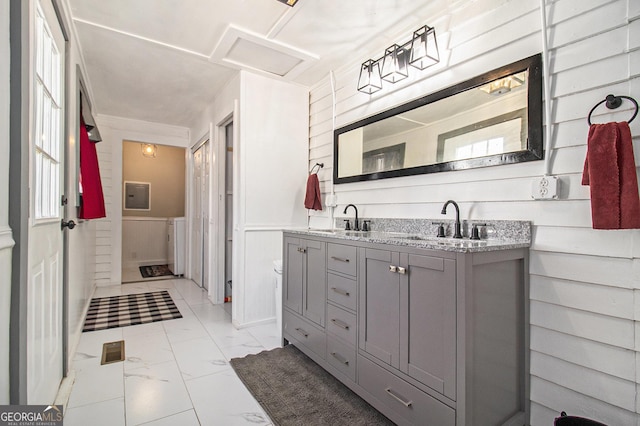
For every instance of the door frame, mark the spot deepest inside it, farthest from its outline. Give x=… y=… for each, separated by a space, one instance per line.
x=19 y=23
x=219 y=195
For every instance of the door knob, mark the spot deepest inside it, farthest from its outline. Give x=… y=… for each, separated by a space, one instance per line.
x=70 y=224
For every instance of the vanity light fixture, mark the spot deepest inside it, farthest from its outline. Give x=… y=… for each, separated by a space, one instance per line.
x=420 y=52
x=289 y=2
x=149 y=150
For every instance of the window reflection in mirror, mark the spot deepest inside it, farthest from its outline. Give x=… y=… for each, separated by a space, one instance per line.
x=491 y=119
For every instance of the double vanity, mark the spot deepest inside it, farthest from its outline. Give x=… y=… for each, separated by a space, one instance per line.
x=429 y=330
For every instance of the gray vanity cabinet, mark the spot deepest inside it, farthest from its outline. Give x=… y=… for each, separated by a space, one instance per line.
x=427 y=336
x=380 y=306
x=428 y=321
x=304 y=281
x=408 y=315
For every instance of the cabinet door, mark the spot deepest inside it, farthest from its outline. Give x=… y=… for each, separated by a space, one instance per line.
x=379 y=308
x=292 y=279
x=315 y=284
x=428 y=321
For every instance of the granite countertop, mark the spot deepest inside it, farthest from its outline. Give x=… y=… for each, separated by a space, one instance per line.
x=495 y=235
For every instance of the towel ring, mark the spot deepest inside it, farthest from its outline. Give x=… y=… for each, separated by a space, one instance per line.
x=614 y=102
x=318 y=165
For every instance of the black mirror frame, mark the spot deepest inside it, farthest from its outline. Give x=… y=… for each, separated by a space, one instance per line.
x=534 y=150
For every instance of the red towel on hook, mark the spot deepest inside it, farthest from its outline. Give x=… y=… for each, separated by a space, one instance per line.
x=312 y=198
x=610 y=171
x=92 y=206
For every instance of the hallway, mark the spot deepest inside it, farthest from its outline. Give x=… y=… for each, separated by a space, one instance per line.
x=175 y=372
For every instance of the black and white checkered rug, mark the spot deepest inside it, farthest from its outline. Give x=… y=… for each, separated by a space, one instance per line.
x=130 y=309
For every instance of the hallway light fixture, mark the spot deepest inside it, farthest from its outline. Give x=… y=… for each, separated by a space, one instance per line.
x=289 y=2
x=420 y=52
x=149 y=150
x=504 y=85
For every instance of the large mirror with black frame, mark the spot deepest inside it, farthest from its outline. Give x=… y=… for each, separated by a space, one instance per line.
x=489 y=120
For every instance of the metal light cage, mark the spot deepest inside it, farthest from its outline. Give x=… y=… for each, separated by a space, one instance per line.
x=395 y=64
x=370 y=80
x=424 y=48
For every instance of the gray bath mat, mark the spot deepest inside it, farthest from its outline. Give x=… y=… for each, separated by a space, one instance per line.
x=294 y=390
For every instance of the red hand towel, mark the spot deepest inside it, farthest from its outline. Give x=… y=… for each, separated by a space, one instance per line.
x=312 y=198
x=610 y=170
x=92 y=206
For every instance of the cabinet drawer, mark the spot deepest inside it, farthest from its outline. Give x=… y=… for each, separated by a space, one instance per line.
x=342 y=323
x=341 y=258
x=402 y=398
x=342 y=357
x=342 y=291
x=299 y=331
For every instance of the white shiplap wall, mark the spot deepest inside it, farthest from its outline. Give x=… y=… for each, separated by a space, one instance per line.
x=585 y=334
x=104 y=226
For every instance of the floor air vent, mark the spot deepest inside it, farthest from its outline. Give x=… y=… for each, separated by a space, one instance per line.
x=112 y=352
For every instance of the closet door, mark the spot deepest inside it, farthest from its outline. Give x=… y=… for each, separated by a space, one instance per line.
x=197 y=242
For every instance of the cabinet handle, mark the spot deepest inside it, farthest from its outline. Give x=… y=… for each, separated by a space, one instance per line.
x=340 y=324
x=340 y=259
x=398 y=398
x=302 y=250
x=301 y=331
x=393 y=268
x=340 y=291
x=402 y=270
x=340 y=358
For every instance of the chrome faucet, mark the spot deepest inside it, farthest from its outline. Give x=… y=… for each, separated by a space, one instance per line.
x=457 y=233
x=356 y=225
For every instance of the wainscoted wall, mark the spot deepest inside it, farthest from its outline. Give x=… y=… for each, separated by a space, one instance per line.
x=585 y=309
x=109 y=231
x=268 y=185
x=144 y=241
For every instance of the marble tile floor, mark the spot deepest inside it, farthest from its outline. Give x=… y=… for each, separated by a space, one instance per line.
x=176 y=372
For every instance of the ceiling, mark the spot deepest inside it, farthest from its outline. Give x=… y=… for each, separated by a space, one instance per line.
x=164 y=60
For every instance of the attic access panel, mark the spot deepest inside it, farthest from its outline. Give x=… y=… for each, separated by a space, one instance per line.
x=137 y=196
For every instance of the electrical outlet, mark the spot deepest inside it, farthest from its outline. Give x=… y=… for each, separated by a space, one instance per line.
x=331 y=200
x=545 y=188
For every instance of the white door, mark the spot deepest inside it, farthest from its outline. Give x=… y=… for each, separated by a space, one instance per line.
x=197 y=240
x=45 y=255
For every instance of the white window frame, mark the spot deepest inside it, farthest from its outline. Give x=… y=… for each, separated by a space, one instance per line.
x=48 y=124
